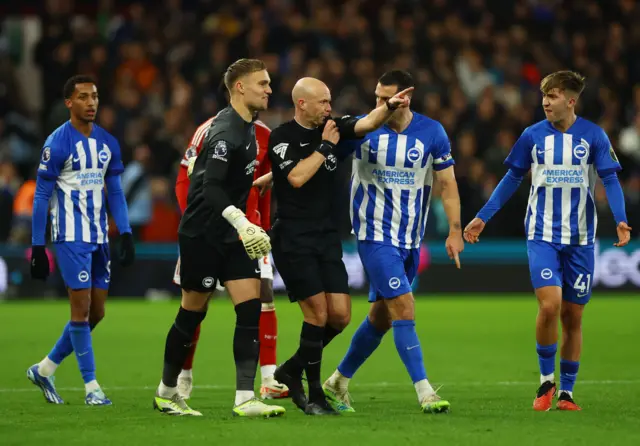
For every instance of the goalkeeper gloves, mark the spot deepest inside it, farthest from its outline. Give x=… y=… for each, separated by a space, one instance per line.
x=256 y=242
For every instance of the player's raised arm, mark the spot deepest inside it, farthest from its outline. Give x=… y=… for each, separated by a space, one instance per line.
x=382 y=113
x=519 y=162
x=607 y=165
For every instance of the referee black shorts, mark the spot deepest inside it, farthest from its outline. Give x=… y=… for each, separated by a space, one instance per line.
x=201 y=264
x=309 y=262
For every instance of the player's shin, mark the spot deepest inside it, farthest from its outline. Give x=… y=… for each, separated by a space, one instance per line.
x=80 y=335
x=268 y=339
x=410 y=351
x=311 y=353
x=365 y=341
x=246 y=348
x=177 y=348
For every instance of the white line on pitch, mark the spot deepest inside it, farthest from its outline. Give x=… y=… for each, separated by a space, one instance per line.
x=362 y=386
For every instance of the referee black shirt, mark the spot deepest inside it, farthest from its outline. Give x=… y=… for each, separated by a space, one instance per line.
x=313 y=203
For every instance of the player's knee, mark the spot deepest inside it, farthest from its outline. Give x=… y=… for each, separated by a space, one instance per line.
x=549 y=309
x=571 y=320
x=188 y=321
x=248 y=313
x=339 y=320
x=80 y=305
x=96 y=315
x=317 y=317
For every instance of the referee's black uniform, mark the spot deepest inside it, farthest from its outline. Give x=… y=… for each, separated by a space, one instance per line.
x=306 y=245
x=222 y=176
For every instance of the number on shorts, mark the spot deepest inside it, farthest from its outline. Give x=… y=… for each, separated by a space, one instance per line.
x=582 y=286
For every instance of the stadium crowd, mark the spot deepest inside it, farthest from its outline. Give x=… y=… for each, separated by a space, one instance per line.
x=478 y=64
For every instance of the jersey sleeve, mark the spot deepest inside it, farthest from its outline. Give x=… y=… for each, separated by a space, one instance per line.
x=604 y=157
x=442 y=150
x=217 y=157
x=52 y=158
x=520 y=155
x=347 y=126
x=281 y=157
x=115 y=163
x=264 y=202
x=188 y=154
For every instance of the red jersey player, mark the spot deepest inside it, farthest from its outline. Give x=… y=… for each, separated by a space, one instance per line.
x=259 y=213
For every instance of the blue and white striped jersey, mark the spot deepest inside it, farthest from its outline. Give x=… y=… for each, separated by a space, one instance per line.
x=79 y=165
x=563 y=166
x=391 y=181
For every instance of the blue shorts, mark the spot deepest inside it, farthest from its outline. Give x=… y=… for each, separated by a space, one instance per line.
x=84 y=265
x=390 y=269
x=568 y=266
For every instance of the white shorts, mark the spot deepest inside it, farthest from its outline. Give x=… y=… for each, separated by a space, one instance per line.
x=266 y=272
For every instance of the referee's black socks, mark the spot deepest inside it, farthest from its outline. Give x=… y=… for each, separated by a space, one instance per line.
x=310 y=354
x=329 y=334
x=178 y=344
x=246 y=343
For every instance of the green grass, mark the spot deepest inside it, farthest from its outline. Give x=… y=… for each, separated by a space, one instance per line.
x=482 y=350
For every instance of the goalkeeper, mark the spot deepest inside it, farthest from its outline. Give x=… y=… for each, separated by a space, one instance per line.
x=218 y=242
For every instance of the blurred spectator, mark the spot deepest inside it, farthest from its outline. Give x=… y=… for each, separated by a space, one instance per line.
x=478 y=64
x=137 y=189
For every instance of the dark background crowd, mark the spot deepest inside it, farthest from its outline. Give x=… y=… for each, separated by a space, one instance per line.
x=158 y=64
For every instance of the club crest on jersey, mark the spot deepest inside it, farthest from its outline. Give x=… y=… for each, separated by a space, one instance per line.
x=331 y=163
x=581 y=151
x=414 y=154
x=394 y=283
x=83 y=276
x=46 y=154
x=105 y=154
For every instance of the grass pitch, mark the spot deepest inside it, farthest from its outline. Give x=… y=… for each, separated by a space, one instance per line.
x=481 y=349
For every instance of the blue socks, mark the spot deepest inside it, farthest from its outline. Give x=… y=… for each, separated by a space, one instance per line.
x=364 y=342
x=63 y=347
x=80 y=335
x=568 y=374
x=408 y=346
x=547 y=358
x=366 y=339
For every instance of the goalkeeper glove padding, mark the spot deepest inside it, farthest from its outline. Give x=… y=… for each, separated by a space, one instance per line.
x=256 y=242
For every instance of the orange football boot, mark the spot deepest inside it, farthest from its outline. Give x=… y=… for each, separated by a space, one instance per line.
x=544 y=396
x=565 y=402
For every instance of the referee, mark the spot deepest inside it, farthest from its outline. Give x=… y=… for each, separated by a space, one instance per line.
x=217 y=242
x=307 y=249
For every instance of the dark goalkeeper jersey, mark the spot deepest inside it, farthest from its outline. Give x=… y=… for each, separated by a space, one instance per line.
x=222 y=176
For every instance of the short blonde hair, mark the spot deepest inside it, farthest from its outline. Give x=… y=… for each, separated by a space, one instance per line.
x=240 y=68
x=564 y=81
